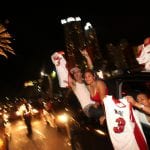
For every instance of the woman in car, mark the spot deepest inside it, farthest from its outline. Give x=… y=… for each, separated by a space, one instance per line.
x=97 y=88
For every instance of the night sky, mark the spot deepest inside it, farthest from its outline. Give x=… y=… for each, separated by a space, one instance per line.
x=36 y=35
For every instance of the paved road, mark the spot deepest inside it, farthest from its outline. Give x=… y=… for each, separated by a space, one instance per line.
x=44 y=137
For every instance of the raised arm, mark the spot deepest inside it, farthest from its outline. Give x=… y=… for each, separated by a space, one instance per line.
x=71 y=82
x=87 y=57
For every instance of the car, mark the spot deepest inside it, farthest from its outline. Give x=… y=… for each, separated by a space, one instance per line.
x=70 y=120
x=89 y=129
x=119 y=86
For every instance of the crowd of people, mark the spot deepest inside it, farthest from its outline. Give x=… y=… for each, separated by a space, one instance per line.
x=93 y=96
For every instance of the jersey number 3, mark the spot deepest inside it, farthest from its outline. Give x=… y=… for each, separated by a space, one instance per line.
x=120 y=125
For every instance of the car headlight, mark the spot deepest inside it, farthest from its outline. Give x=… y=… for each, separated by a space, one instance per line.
x=1 y=143
x=63 y=118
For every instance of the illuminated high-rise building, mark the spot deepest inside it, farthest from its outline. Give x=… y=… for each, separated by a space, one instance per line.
x=77 y=38
x=74 y=40
x=93 y=47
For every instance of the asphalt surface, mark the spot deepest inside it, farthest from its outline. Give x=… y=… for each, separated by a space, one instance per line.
x=44 y=137
x=48 y=137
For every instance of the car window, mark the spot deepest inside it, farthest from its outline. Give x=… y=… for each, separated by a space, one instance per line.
x=133 y=87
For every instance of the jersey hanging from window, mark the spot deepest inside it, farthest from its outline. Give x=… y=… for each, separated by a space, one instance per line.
x=124 y=128
x=61 y=69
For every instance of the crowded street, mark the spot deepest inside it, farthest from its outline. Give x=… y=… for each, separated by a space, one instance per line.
x=44 y=137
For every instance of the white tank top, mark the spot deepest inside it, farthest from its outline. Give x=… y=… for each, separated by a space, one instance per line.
x=123 y=125
x=82 y=94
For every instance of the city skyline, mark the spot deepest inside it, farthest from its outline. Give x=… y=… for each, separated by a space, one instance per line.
x=36 y=37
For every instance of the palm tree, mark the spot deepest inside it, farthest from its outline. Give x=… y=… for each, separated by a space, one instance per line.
x=5 y=41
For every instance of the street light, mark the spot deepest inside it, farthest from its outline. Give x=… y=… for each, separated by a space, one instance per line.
x=28 y=83
x=49 y=82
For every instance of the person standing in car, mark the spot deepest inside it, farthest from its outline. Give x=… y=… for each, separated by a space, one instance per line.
x=76 y=82
x=98 y=90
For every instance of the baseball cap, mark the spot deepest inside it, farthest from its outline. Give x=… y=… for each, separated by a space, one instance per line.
x=74 y=69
